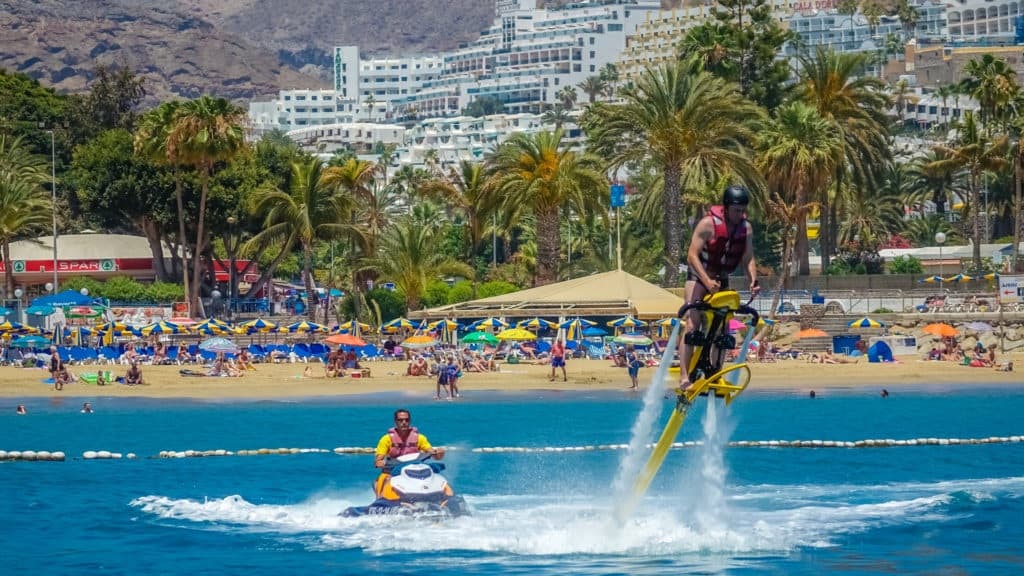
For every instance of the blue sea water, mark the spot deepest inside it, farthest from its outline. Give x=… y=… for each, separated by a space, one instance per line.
x=711 y=510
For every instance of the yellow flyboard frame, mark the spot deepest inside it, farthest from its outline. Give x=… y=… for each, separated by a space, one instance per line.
x=727 y=383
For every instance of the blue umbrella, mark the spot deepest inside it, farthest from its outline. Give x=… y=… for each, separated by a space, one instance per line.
x=31 y=342
x=39 y=310
x=595 y=331
x=5 y=312
x=219 y=344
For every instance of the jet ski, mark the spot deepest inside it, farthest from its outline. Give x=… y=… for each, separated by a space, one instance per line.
x=414 y=487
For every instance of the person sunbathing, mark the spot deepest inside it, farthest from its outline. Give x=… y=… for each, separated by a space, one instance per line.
x=417 y=367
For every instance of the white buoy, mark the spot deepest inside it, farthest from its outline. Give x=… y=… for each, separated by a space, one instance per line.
x=29 y=455
x=58 y=456
x=89 y=455
x=3 y=454
x=43 y=455
x=131 y=456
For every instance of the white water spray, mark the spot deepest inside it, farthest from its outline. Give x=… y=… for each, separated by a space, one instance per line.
x=643 y=428
x=710 y=509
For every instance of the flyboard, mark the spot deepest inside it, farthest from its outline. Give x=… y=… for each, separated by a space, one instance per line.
x=706 y=373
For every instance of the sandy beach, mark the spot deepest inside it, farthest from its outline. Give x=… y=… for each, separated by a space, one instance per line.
x=285 y=380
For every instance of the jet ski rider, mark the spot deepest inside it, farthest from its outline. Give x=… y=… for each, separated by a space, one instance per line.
x=401 y=440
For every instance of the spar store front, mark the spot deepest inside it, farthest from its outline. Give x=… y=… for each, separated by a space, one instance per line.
x=98 y=256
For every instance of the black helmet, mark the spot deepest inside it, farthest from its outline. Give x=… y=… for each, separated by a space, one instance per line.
x=735 y=195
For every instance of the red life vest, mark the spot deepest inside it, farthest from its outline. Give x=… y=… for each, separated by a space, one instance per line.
x=723 y=253
x=399 y=447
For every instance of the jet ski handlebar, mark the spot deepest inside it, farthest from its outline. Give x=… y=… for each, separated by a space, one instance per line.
x=744 y=309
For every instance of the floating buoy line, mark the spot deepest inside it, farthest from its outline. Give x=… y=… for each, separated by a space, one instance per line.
x=47 y=456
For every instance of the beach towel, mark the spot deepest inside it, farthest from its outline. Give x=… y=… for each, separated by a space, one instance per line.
x=187 y=372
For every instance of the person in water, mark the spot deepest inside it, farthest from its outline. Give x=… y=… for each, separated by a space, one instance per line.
x=722 y=242
x=398 y=441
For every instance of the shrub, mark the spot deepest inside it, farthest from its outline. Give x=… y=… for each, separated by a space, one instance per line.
x=460 y=292
x=392 y=303
x=495 y=288
x=905 y=265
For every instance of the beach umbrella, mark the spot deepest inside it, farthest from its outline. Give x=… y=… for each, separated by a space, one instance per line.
x=443 y=324
x=211 y=326
x=345 y=340
x=478 y=337
x=958 y=279
x=10 y=326
x=811 y=333
x=633 y=338
x=420 y=341
x=258 y=325
x=575 y=326
x=866 y=322
x=536 y=324
x=626 y=322
x=978 y=326
x=595 y=331
x=30 y=342
x=939 y=329
x=516 y=334
x=352 y=326
x=218 y=344
x=492 y=323
x=304 y=327
x=398 y=324
x=991 y=276
x=40 y=310
x=159 y=328
x=932 y=279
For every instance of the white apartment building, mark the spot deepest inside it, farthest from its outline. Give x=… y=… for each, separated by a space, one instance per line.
x=298 y=108
x=528 y=54
x=374 y=84
x=360 y=137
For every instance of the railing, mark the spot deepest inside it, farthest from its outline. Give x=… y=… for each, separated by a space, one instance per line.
x=867 y=302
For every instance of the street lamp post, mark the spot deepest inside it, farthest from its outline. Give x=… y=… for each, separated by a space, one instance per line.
x=940 y=239
x=53 y=207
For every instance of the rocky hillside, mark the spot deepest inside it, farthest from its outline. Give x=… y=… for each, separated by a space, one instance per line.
x=233 y=48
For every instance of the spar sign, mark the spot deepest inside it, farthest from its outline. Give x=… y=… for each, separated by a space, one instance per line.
x=1011 y=289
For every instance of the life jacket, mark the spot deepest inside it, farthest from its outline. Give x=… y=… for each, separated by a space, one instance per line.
x=400 y=447
x=723 y=254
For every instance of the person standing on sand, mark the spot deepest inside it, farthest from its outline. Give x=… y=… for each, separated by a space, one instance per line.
x=558 y=360
x=722 y=242
x=633 y=364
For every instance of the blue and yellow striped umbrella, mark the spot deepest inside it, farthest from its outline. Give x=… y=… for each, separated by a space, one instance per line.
x=10 y=327
x=398 y=324
x=212 y=326
x=443 y=324
x=304 y=327
x=866 y=322
x=258 y=325
x=574 y=327
x=932 y=279
x=991 y=276
x=627 y=322
x=160 y=327
x=492 y=323
x=536 y=324
x=348 y=326
x=958 y=278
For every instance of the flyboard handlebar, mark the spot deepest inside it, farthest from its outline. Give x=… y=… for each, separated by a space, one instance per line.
x=703 y=306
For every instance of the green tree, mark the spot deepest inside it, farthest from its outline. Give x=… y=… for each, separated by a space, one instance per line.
x=465 y=190
x=742 y=44
x=993 y=84
x=114 y=96
x=798 y=154
x=908 y=18
x=837 y=86
x=412 y=260
x=484 y=106
x=309 y=211
x=24 y=204
x=694 y=126
x=118 y=190
x=593 y=86
x=539 y=172
x=978 y=155
x=205 y=131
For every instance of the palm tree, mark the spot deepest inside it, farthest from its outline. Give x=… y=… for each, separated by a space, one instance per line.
x=908 y=18
x=311 y=209
x=537 y=171
x=944 y=93
x=151 y=142
x=694 y=126
x=978 y=155
x=798 y=155
x=466 y=191
x=24 y=203
x=932 y=181
x=592 y=87
x=921 y=231
x=413 y=259
x=993 y=83
x=556 y=115
x=568 y=96
x=837 y=86
x=205 y=131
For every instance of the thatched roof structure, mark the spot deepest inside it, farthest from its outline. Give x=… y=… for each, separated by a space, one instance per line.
x=614 y=293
